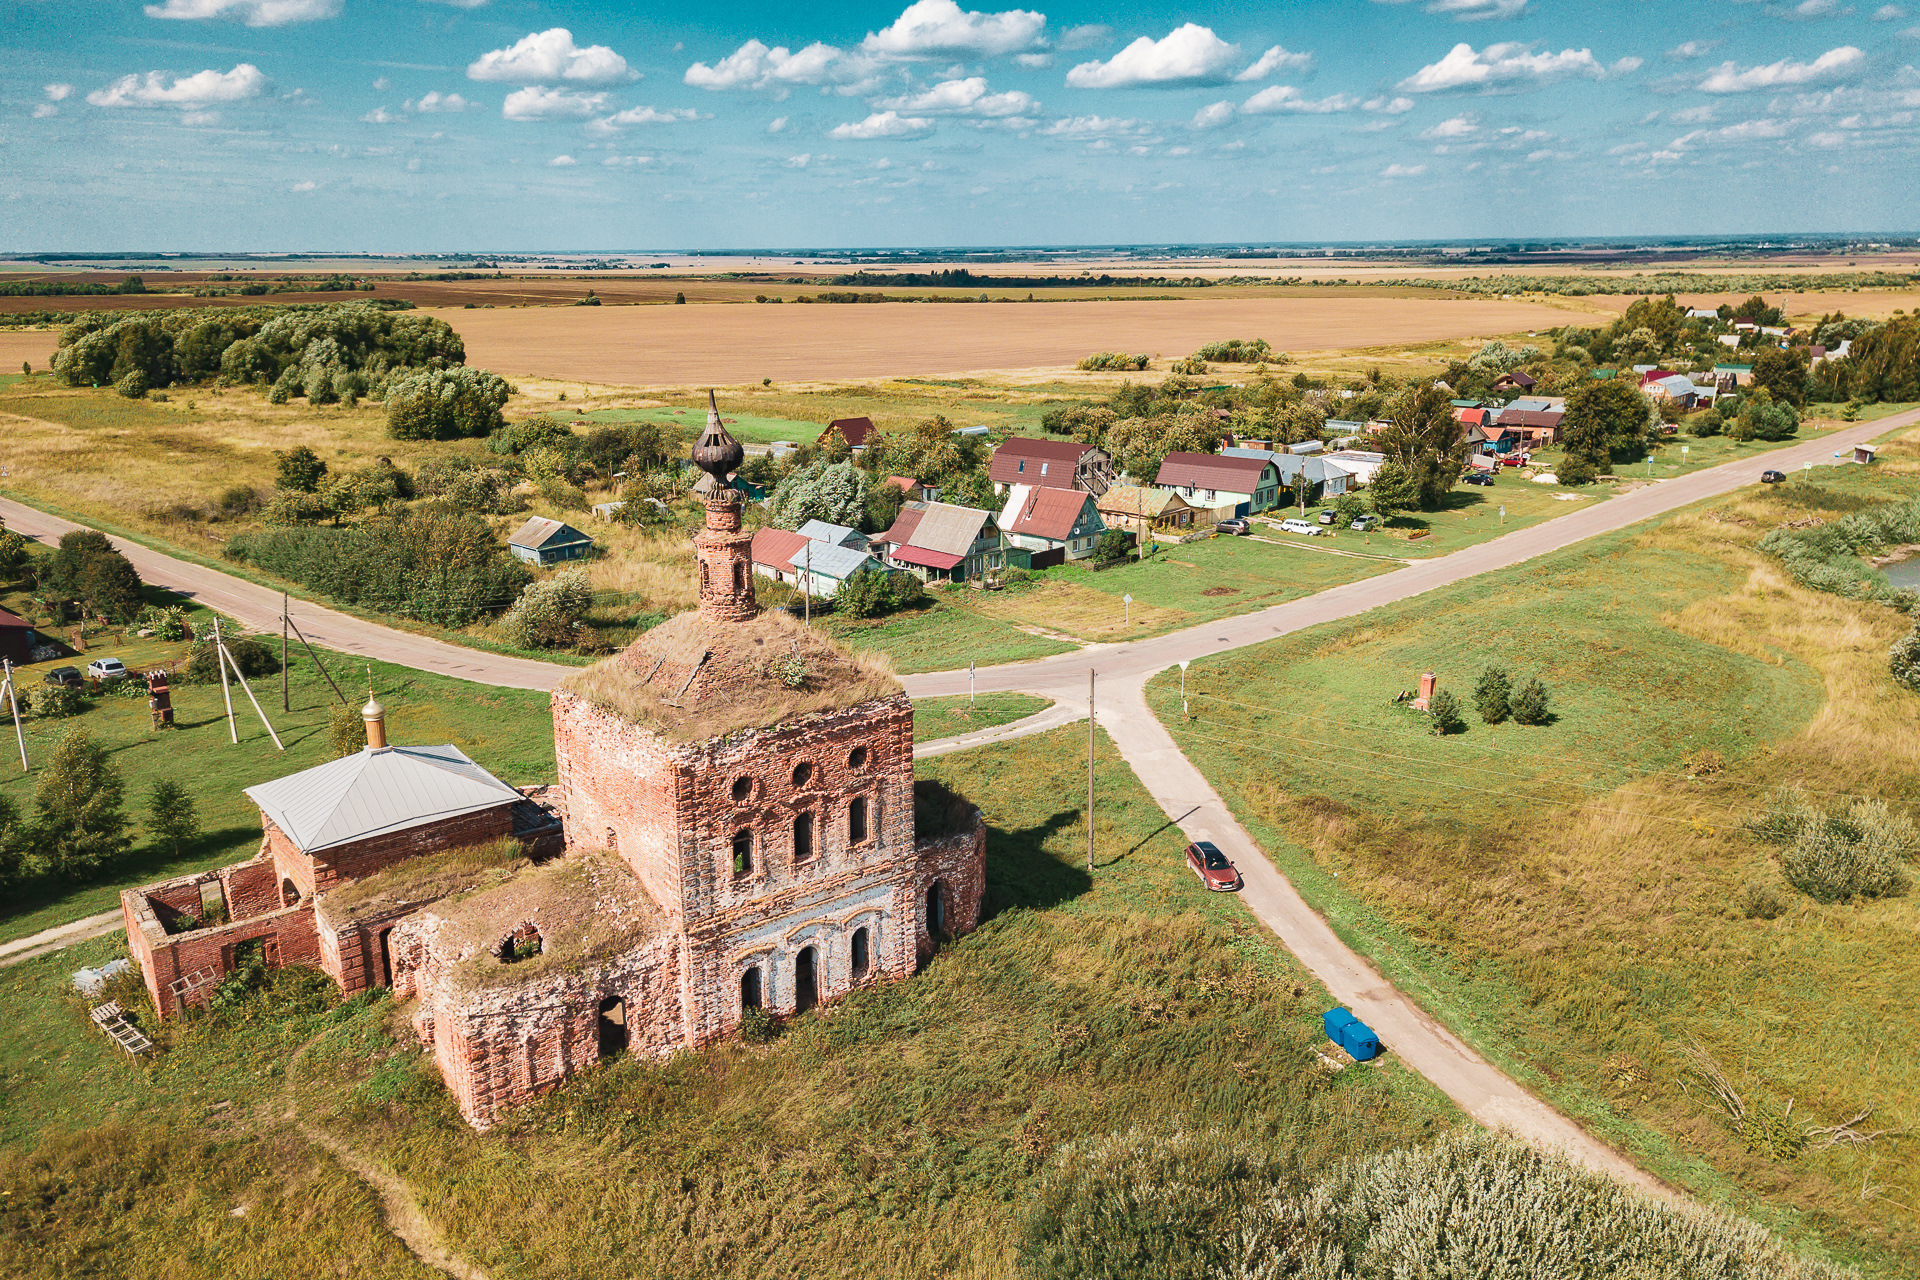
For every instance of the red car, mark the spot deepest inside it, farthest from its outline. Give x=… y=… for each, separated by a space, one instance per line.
x=1205 y=860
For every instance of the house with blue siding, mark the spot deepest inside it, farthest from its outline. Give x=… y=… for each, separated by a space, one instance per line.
x=542 y=541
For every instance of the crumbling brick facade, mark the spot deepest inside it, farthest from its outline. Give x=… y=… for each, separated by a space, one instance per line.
x=182 y=965
x=312 y=873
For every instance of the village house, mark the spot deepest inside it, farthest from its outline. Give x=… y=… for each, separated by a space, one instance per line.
x=718 y=842
x=816 y=566
x=1361 y=464
x=855 y=431
x=839 y=535
x=1054 y=524
x=942 y=542
x=1219 y=486
x=1729 y=378
x=1050 y=464
x=542 y=541
x=1139 y=510
x=1535 y=420
x=1323 y=477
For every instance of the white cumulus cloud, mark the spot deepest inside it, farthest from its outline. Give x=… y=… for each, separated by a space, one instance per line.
x=1693 y=49
x=1185 y=55
x=44 y=109
x=968 y=97
x=613 y=124
x=562 y=162
x=255 y=13
x=883 y=124
x=1090 y=126
x=756 y=66
x=777 y=125
x=1471 y=10
x=1834 y=64
x=551 y=56
x=58 y=92
x=537 y=103
x=1510 y=65
x=1284 y=97
x=929 y=27
x=163 y=89
x=1889 y=13
x=437 y=101
x=1388 y=106
x=1275 y=59
x=308 y=185
x=1457 y=127
x=1403 y=171
x=1213 y=115
x=380 y=115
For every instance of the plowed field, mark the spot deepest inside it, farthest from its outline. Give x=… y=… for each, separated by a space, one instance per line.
x=725 y=345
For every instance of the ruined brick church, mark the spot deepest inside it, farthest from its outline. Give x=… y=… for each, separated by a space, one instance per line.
x=734 y=827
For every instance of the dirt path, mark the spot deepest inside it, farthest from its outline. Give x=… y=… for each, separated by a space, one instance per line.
x=403 y=1213
x=58 y=937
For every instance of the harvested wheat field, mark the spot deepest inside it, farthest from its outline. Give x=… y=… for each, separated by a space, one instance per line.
x=35 y=345
x=648 y=346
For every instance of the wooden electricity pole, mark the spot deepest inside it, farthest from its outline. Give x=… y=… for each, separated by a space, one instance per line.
x=1089 y=771
x=286 y=699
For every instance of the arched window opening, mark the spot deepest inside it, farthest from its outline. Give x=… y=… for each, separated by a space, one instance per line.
x=613 y=1026
x=857 y=820
x=523 y=943
x=857 y=758
x=742 y=790
x=743 y=851
x=803 y=837
x=289 y=893
x=386 y=955
x=861 y=962
x=750 y=997
x=806 y=990
x=739 y=576
x=937 y=909
x=703 y=576
x=802 y=774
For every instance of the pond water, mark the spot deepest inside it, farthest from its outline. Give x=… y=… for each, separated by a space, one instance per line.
x=1904 y=573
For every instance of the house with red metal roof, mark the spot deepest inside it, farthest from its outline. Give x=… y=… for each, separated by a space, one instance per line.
x=1050 y=464
x=1221 y=485
x=1048 y=520
x=854 y=431
x=942 y=542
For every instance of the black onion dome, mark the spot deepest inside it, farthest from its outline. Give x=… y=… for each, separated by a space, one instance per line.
x=716 y=452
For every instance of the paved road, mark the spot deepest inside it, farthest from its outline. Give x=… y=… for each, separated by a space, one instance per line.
x=259 y=607
x=1478 y=1087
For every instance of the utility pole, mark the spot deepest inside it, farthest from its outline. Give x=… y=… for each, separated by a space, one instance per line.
x=1089 y=771
x=13 y=701
x=969 y=681
x=226 y=691
x=808 y=606
x=1183 y=689
x=286 y=698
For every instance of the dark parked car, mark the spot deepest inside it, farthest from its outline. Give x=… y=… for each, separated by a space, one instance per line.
x=1480 y=478
x=1773 y=477
x=1236 y=526
x=62 y=675
x=1205 y=860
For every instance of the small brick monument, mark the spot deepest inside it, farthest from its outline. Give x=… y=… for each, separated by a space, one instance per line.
x=741 y=831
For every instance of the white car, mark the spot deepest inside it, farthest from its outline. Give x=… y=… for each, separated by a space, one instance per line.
x=108 y=669
x=1307 y=527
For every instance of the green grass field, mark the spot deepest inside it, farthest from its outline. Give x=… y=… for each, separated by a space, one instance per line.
x=935 y=718
x=941 y=636
x=1565 y=896
x=901 y=1132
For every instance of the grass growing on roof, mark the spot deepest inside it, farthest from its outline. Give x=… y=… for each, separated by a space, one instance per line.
x=423 y=879
x=586 y=906
x=1580 y=899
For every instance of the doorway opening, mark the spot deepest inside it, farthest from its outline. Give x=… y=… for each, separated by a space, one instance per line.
x=806 y=989
x=613 y=1026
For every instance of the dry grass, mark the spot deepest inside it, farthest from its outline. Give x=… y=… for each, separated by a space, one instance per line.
x=422 y=880
x=691 y=679
x=1079 y=611
x=586 y=906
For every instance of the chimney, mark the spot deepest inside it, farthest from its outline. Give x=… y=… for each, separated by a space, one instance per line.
x=375 y=717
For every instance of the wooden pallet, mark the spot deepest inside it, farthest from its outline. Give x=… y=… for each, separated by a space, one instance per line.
x=114 y=1024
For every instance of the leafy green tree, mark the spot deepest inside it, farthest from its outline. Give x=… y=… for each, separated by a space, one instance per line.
x=1140 y=444
x=1114 y=546
x=1347 y=508
x=1605 y=422
x=298 y=470
x=1444 y=710
x=346 y=730
x=446 y=404
x=171 y=817
x=1491 y=693
x=1782 y=371
x=13 y=554
x=1424 y=441
x=1705 y=425
x=86 y=565
x=78 y=816
x=1392 y=491
x=1530 y=704
x=871 y=592
x=549 y=614
x=1904 y=659
x=1763 y=418
x=835 y=492
x=16 y=842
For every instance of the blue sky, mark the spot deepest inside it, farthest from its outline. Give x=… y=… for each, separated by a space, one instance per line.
x=439 y=125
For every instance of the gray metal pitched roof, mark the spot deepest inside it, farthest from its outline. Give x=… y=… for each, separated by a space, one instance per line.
x=832 y=561
x=838 y=534
x=373 y=793
x=539 y=531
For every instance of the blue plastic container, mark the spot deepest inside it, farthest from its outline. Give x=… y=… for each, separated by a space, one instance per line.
x=1351 y=1034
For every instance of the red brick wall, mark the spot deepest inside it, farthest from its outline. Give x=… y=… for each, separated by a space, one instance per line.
x=251 y=888
x=164 y=958
x=331 y=868
x=959 y=864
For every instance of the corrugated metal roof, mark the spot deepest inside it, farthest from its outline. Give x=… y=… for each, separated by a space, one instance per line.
x=372 y=793
x=831 y=561
x=922 y=556
x=948 y=528
x=1043 y=513
x=903 y=525
x=1048 y=462
x=821 y=531
x=539 y=531
x=1226 y=474
x=853 y=430
x=776 y=548
x=1134 y=500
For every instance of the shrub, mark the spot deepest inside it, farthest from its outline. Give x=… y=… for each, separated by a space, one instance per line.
x=346 y=730
x=548 y=614
x=558 y=492
x=1530 y=704
x=1843 y=855
x=1574 y=470
x=1444 y=710
x=1706 y=424
x=1490 y=695
x=757 y=1026
x=446 y=404
x=1115 y=546
x=1237 y=351
x=299 y=470
x=1903 y=659
x=133 y=385
x=252 y=656
x=1112 y=361
x=872 y=592
x=1757 y=900
x=58 y=701
x=1192 y=366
